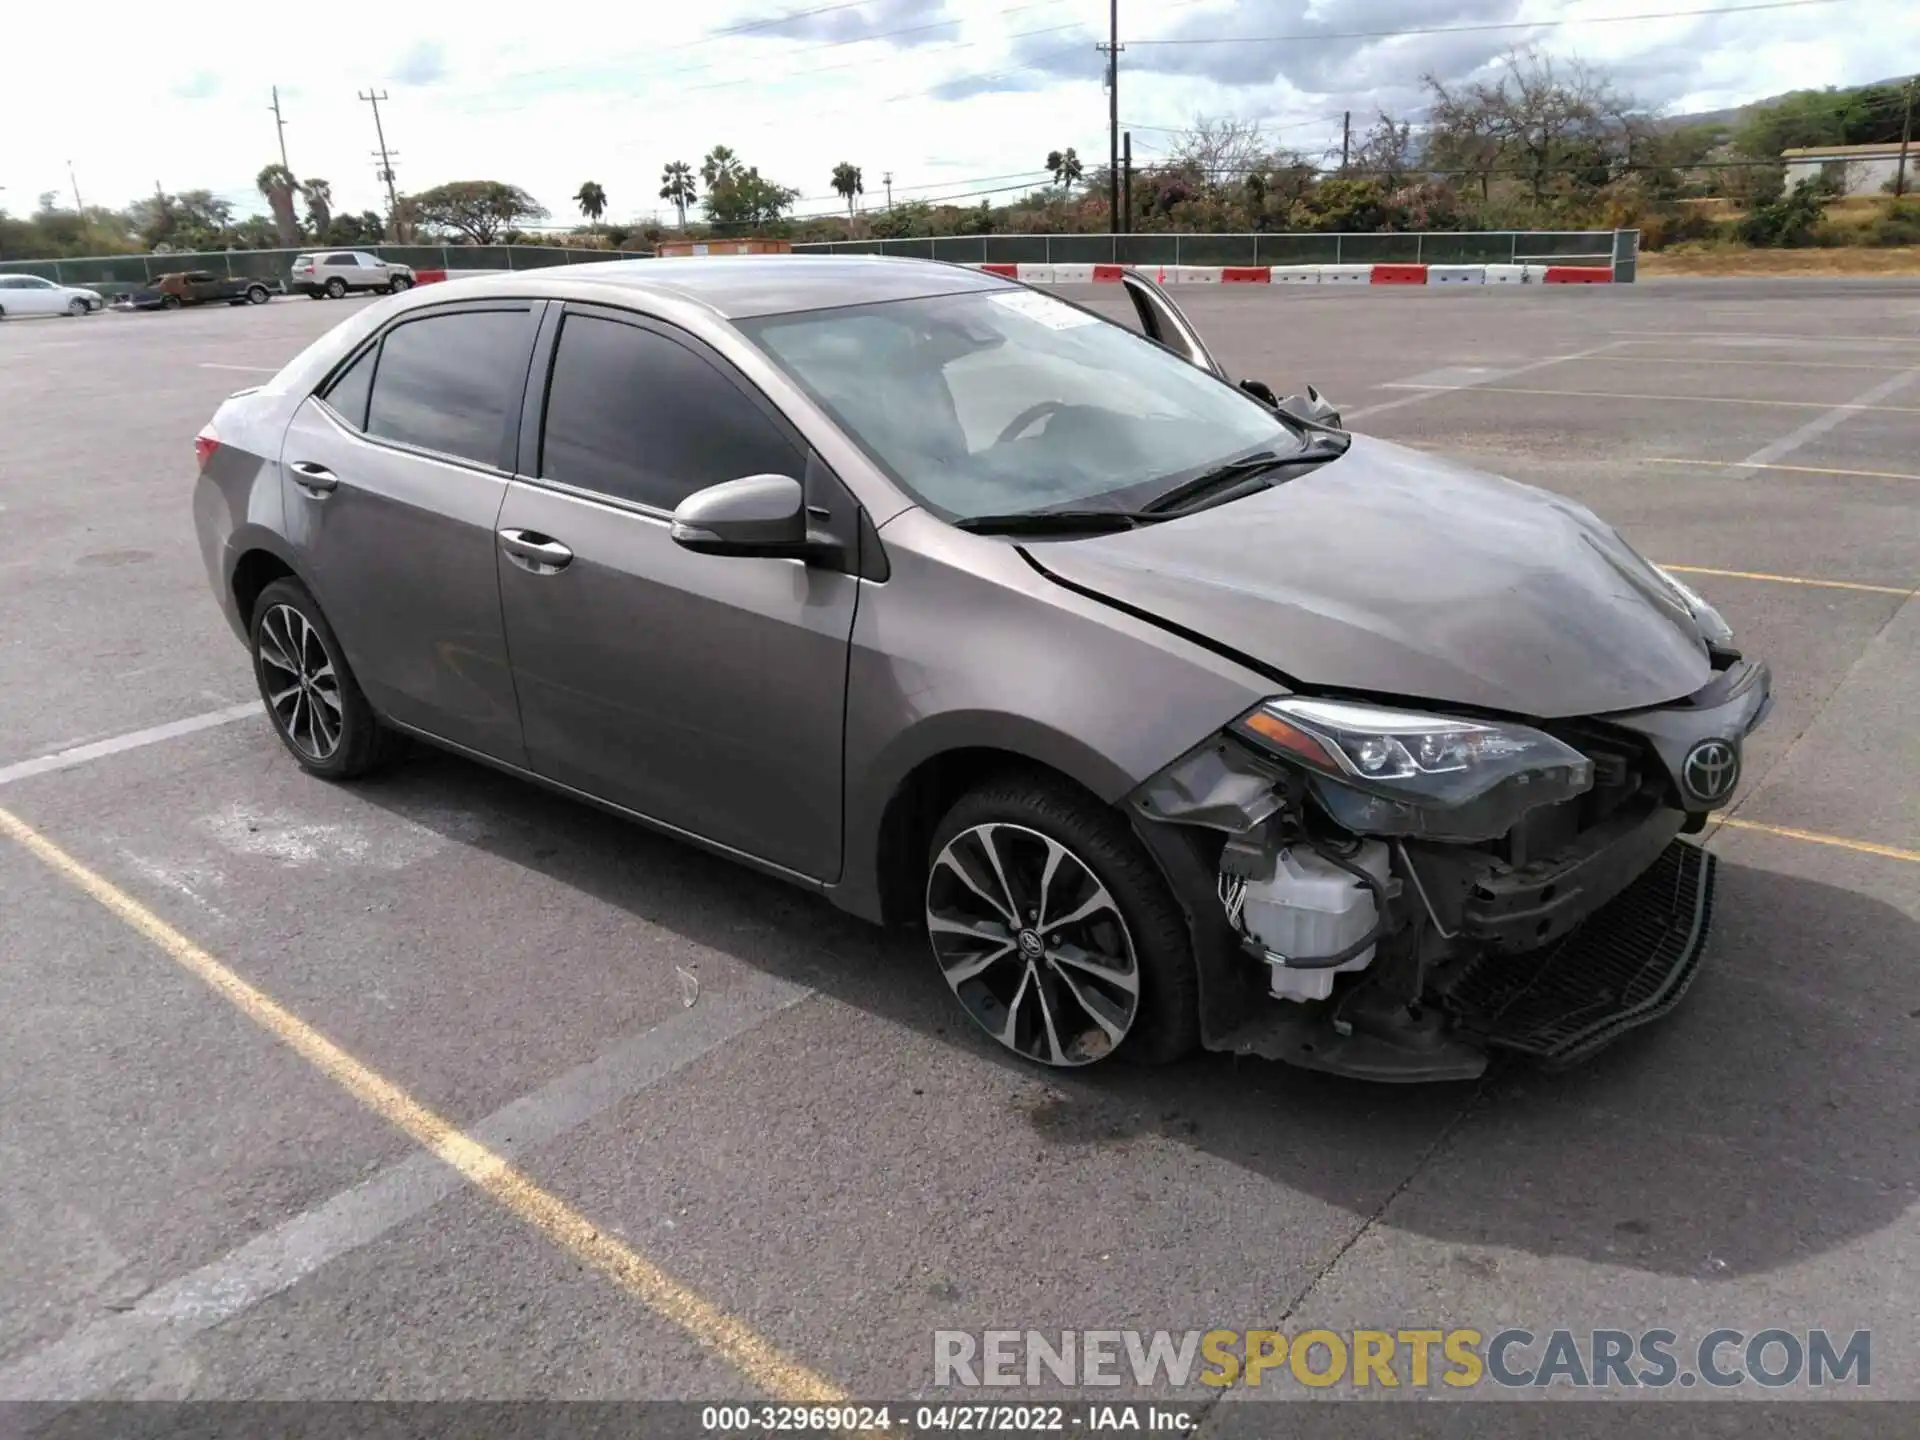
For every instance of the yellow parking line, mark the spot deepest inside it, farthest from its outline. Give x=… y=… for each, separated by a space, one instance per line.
x=1814 y=837
x=1688 y=399
x=1796 y=469
x=1906 y=590
x=748 y=1352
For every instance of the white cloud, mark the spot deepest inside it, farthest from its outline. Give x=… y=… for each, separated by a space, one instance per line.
x=937 y=91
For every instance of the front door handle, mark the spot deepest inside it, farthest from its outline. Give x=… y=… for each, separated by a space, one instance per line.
x=534 y=552
x=316 y=479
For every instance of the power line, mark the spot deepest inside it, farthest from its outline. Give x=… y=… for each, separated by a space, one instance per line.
x=703 y=68
x=1495 y=25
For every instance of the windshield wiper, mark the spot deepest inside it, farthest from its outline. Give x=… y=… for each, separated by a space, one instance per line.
x=1221 y=477
x=1050 y=522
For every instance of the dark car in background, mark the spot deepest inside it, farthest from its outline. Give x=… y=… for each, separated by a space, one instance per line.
x=196 y=287
x=1171 y=711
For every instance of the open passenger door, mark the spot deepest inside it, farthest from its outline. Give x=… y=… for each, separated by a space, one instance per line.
x=1163 y=322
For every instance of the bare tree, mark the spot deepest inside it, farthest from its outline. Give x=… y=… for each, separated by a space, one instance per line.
x=1386 y=150
x=1542 y=118
x=1218 y=151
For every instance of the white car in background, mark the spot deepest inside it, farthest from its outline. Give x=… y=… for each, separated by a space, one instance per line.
x=30 y=295
x=334 y=273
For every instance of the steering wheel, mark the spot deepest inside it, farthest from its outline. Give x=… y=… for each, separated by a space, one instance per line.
x=1024 y=420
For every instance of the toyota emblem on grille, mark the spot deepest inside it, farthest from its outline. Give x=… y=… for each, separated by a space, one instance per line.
x=1711 y=770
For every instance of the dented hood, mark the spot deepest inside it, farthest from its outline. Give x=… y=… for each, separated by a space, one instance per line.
x=1398 y=573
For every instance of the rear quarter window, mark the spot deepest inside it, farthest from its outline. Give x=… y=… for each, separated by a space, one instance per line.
x=347 y=396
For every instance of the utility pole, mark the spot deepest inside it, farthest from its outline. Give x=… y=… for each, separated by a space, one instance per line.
x=280 y=125
x=1906 y=138
x=1346 y=138
x=78 y=208
x=1126 y=183
x=374 y=98
x=887 y=180
x=1112 y=51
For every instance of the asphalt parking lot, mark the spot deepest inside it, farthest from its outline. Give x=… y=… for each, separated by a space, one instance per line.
x=784 y=1187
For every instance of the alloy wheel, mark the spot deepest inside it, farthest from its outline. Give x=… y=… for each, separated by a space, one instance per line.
x=1032 y=944
x=300 y=683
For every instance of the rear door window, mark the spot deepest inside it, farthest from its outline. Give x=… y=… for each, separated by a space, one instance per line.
x=449 y=383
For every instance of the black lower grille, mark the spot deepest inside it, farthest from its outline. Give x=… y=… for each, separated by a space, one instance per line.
x=1630 y=962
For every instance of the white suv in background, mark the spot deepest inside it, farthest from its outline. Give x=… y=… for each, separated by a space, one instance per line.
x=334 y=273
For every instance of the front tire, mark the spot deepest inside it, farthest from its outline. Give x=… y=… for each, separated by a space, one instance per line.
x=315 y=704
x=401 y=284
x=1055 y=930
x=78 y=306
x=170 y=302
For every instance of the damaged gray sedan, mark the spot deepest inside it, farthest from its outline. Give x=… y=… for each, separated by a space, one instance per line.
x=1176 y=714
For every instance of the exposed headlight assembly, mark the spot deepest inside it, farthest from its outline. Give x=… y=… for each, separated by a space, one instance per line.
x=1399 y=772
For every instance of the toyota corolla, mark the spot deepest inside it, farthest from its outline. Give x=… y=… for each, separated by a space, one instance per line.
x=1172 y=711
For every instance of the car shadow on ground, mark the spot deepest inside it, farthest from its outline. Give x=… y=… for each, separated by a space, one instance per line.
x=1769 y=1118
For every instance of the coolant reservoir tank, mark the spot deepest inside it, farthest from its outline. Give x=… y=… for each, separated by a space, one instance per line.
x=1308 y=907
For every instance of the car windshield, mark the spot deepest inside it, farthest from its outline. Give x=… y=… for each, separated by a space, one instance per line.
x=1007 y=401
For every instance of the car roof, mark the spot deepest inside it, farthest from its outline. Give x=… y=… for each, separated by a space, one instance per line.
x=741 y=286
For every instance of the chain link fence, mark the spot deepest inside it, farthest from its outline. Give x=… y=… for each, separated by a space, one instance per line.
x=1615 y=248
x=112 y=274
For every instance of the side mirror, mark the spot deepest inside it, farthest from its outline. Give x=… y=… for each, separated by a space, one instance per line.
x=1261 y=391
x=762 y=515
x=1313 y=407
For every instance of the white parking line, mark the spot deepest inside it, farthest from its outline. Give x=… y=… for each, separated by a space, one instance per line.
x=152 y=735
x=1468 y=379
x=1821 y=424
x=255 y=369
x=103 y=1356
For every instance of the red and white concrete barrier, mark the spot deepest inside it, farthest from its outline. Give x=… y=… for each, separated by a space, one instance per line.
x=1382 y=273
x=1034 y=273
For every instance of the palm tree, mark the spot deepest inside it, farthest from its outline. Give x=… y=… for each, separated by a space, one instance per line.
x=319 y=207
x=1065 y=167
x=592 y=201
x=720 y=166
x=677 y=188
x=846 y=182
x=276 y=182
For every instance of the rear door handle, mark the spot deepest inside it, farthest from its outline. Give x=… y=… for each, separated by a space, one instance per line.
x=534 y=552
x=315 y=478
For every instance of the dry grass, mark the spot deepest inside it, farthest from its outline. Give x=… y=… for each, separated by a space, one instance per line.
x=1733 y=260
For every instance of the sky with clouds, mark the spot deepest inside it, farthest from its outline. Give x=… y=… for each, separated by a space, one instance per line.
x=951 y=96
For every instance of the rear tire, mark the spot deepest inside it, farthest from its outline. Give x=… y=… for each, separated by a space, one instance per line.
x=313 y=701
x=1099 y=898
x=336 y=288
x=257 y=295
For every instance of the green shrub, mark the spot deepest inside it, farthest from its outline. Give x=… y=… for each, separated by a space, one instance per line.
x=1789 y=221
x=1898 y=223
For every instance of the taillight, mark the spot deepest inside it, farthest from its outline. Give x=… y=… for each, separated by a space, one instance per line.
x=204 y=444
